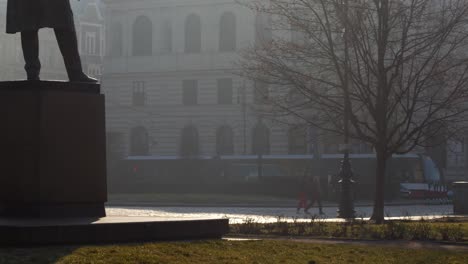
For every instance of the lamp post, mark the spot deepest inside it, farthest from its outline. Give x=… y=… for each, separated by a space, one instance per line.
x=346 y=204
x=260 y=138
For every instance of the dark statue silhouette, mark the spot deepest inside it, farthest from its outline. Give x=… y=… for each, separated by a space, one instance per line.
x=28 y=16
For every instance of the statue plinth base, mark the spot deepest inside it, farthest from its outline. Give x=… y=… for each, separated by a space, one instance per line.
x=52 y=150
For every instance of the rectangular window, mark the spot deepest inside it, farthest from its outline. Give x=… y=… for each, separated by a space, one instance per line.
x=90 y=44
x=225 y=91
x=139 y=93
x=190 y=92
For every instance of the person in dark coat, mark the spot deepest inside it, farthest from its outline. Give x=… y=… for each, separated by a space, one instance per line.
x=314 y=195
x=302 y=197
x=28 y=16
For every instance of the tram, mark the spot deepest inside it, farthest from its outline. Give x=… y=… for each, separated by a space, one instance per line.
x=408 y=175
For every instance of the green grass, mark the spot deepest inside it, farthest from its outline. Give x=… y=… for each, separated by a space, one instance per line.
x=437 y=230
x=231 y=252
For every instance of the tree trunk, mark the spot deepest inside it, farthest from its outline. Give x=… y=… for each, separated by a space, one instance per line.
x=378 y=213
x=260 y=166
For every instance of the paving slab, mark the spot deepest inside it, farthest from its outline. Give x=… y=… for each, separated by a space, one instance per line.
x=239 y=215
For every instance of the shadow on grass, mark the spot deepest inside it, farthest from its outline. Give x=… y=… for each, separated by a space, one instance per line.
x=422 y=230
x=36 y=255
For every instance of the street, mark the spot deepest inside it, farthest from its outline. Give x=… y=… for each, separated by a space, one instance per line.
x=271 y=215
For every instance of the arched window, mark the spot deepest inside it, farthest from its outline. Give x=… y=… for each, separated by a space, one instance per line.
x=116 y=37
x=227 y=32
x=189 y=146
x=192 y=34
x=142 y=37
x=298 y=140
x=166 y=37
x=260 y=139
x=224 y=141
x=263 y=33
x=139 y=144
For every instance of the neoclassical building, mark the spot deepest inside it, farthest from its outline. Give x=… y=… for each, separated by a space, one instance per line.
x=171 y=82
x=171 y=85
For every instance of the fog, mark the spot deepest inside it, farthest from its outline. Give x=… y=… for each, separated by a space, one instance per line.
x=181 y=120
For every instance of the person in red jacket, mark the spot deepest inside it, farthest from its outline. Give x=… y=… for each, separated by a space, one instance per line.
x=314 y=195
x=302 y=197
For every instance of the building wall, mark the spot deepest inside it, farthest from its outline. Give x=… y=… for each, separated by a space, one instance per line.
x=163 y=72
x=91 y=36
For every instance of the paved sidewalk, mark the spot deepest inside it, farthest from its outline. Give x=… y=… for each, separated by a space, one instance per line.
x=274 y=214
x=264 y=203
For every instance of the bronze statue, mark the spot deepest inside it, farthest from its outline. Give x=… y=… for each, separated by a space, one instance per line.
x=28 y=16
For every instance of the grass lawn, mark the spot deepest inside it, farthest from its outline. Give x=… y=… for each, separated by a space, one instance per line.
x=452 y=230
x=263 y=251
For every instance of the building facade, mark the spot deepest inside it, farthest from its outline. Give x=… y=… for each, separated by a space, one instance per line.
x=172 y=89
x=171 y=83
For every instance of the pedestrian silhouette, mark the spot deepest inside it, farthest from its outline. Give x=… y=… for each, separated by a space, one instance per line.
x=314 y=193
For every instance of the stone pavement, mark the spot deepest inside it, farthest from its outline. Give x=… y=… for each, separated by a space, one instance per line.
x=271 y=214
x=122 y=200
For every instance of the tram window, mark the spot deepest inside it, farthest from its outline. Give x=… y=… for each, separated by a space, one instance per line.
x=272 y=170
x=243 y=172
x=410 y=170
x=431 y=172
x=418 y=174
x=249 y=172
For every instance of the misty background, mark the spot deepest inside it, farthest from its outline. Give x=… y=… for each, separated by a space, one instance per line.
x=177 y=111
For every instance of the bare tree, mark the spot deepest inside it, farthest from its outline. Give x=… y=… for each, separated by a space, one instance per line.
x=396 y=69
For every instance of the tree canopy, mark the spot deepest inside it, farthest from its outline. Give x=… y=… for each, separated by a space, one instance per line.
x=396 y=69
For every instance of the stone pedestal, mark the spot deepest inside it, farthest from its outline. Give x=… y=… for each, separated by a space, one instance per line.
x=52 y=150
x=460 y=198
x=40 y=232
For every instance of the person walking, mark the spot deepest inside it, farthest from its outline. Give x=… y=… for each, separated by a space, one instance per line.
x=302 y=196
x=314 y=195
x=28 y=16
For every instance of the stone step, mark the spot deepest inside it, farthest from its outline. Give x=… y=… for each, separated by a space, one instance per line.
x=59 y=231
